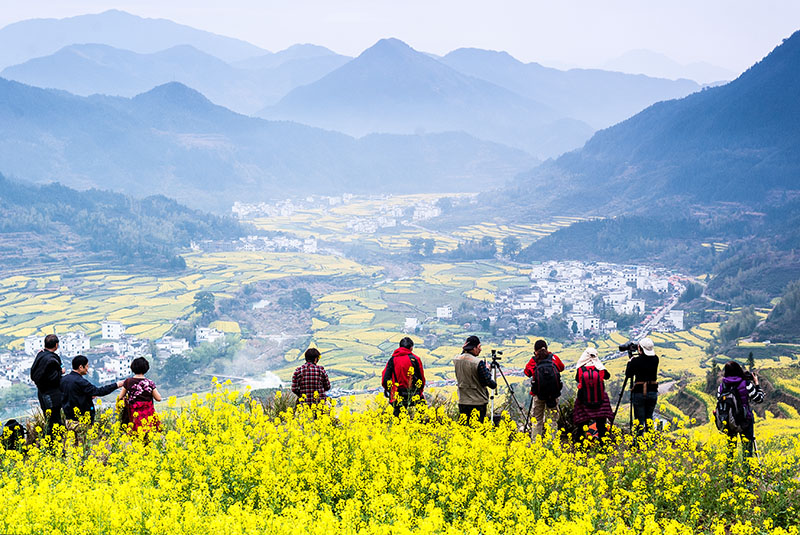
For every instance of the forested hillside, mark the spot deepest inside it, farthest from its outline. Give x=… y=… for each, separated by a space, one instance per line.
x=42 y=223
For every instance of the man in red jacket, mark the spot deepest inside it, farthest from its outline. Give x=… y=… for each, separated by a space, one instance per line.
x=403 y=378
x=544 y=406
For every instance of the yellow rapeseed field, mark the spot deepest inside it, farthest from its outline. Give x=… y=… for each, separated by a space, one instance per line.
x=226 y=463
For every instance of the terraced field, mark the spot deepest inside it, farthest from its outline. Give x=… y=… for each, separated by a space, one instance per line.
x=147 y=305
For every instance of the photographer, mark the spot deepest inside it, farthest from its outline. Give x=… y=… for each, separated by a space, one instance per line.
x=473 y=380
x=744 y=385
x=544 y=369
x=643 y=371
x=592 y=406
x=403 y=378
x=310 y=381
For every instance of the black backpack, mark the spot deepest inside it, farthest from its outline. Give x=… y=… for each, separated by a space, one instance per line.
x=546 y=384
x=13 y=434
x=592 y=387
x=729 y=414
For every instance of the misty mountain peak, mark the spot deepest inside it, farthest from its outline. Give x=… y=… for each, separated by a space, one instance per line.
x=175 y=94
x=388 y=47
x=498 y=57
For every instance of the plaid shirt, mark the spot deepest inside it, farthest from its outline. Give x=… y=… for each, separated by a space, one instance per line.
x=310 y=378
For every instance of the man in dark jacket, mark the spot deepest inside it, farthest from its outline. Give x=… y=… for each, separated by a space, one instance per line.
x=403 y=378
x=46 y=374
x=643 y=370
x=77 y=392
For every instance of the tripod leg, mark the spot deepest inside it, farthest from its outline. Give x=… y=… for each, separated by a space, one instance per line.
x=528 y=418
x=619 y=400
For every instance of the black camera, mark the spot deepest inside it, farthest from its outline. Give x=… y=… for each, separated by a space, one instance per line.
x=495 y=353
x=630 y=347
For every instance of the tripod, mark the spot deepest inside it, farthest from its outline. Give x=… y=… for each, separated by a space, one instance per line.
x=495 y=366
x=629 y=348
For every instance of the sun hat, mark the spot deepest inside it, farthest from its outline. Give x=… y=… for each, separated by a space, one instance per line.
x=648 y=347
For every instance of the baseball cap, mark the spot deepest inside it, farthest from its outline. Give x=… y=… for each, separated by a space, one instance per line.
x=648 y=348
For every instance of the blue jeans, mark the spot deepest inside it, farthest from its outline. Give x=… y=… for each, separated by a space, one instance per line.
x=644 y=405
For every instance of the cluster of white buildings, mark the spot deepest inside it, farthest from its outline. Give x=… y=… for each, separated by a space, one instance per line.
x=279 y=243
x=287 y=207
x=370 y=225
x=110 y=358
x=574 y=286
x=70 y=344
x=207 y=334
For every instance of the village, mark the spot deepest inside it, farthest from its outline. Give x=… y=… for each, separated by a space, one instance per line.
x=582 y=296
x=109 y=359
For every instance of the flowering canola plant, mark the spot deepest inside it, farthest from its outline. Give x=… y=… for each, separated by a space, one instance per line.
x=225 y=464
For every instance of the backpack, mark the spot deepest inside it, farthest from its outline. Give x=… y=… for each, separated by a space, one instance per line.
x=546 y=384
x=592 y=391
x=729 y=414
x=13 y=434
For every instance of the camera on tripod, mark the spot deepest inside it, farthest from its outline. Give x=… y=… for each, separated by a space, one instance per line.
x=496 y=357
x=630 y=347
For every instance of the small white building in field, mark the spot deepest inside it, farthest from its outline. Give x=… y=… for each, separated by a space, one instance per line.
x=444 y=313
x=411 y=324
x=112 y=330
x=73 y=343
x=676 y=317
x=34 y=344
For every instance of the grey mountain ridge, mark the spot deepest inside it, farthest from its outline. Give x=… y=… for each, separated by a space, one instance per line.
x=600 y=98
x=86 y=69
x=393 y=88
x=33 y=38
x=739 y=142
x=173 y=141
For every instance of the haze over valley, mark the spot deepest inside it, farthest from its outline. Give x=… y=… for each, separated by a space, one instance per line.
x=220 y=208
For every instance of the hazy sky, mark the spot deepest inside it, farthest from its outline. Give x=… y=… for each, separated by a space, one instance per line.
x=728 y=33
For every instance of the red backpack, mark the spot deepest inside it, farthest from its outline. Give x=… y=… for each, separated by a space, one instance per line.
x=592 y=387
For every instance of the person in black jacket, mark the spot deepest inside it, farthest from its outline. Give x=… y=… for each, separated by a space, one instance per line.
x=77 y=392
x=46 y=374
x=643 y=370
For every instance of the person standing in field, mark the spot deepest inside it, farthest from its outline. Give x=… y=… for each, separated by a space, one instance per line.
x=139 y=394
x=643 y=370
x=544 y=369
x=403 y=378
x=744 y=387
x=310 y=381
x=77 y=393
x=592 y=407
x=46 y=373
x=474 y=381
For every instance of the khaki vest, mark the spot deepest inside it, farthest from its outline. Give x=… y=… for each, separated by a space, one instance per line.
x=470 y=390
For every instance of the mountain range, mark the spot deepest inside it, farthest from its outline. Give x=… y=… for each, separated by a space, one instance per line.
x=393 y=88
x=389 y=88
x=173 y=141
x=245 y=87
x=651 y=63
x=739 y=142
x=599 y=98
x=35 y=38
